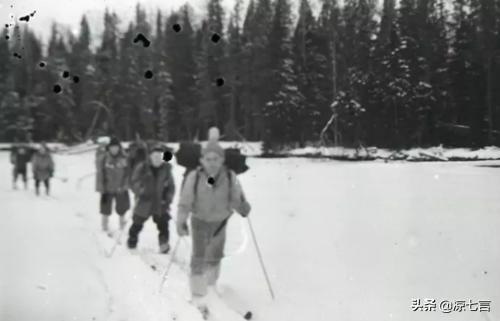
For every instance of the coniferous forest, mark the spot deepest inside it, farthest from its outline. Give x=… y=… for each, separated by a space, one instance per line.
x=392 y=74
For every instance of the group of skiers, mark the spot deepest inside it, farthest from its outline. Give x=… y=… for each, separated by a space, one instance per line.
x=209 y=195
x=42 y=165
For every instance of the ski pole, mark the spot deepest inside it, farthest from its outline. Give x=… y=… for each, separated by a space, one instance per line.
x=117 y=241
x=260 y=258
x=164 y=277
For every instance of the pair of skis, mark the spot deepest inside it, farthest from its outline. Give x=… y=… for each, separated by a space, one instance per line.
x=221 y=309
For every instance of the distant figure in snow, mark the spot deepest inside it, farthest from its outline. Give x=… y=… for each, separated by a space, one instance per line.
x=210 y=194
x=43 y=168
x=154 y=188
x=20 y=156
x=137 y=153
x=113 y=183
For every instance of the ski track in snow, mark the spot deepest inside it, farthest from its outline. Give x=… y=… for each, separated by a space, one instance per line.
x=358 y=244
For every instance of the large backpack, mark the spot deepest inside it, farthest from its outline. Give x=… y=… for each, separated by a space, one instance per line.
x=189 y=155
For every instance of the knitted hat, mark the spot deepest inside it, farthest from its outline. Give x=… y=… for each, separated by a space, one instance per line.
x=114 y=142
x=212 y=145
x=157 y=147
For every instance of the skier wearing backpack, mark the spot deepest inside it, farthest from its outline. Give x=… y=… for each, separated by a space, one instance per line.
x=113 y=183
x=43 y=168
x=154 y=188
x=209 y=196
x=20 y=156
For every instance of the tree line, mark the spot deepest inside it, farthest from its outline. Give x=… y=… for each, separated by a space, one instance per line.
x=396 y=74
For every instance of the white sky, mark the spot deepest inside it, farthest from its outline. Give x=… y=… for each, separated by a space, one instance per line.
x=69 y=12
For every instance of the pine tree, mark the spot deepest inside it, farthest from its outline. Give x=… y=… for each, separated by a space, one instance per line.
x=163 y=98
x=484 y=12
x=107 y=70
x=182 y=66
x=15 y=119
x=234 y=71
x=213 y=60
x=283 y=108
x=58 y=106
x=305 y=51
x=329 y=29
x=466 y=72
x=256 y=92
x=5 y=68
x=356 y=50
x=80 y=63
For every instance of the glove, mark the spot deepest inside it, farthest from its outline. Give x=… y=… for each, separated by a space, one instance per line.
x=244 y=207
x=182 y=228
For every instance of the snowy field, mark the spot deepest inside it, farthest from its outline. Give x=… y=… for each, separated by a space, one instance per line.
x=342 y=241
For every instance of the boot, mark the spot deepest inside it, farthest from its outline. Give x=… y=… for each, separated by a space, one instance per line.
x=105 y=223
x=164 y=248
x=132 y=242
x=200 y=303
x=123 y=222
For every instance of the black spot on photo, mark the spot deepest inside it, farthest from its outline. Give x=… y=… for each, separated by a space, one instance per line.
x=27 y=17
x=42 y=64
x=177 y=27
x=76 y=79
x=167 y=156
x=141 y=38
x=219 y=82
x=65 y=74
x=148 y=74
x=215 y=38
x=57 y=89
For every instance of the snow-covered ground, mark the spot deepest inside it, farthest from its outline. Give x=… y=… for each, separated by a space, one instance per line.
x=342 y=241
x=414 y=154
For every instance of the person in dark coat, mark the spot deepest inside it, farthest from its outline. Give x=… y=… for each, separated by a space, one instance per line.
x=154 y=188
x=113 y=183
x=43 y=168
x=20 y=156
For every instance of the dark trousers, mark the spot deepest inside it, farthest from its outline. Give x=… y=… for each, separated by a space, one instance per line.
x=19 y=172
x=122 y=203
x=46 y=182
x=161 y=223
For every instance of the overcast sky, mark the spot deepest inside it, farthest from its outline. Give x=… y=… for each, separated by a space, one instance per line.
x=69 y=12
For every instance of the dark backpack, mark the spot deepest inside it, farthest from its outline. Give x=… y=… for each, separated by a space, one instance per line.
x=189 y=155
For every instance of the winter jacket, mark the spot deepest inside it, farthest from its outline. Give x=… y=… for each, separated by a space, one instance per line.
x=154 y=193
x=43 y=166
x=113 y=173
x=20 y=157
x=211 y=203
